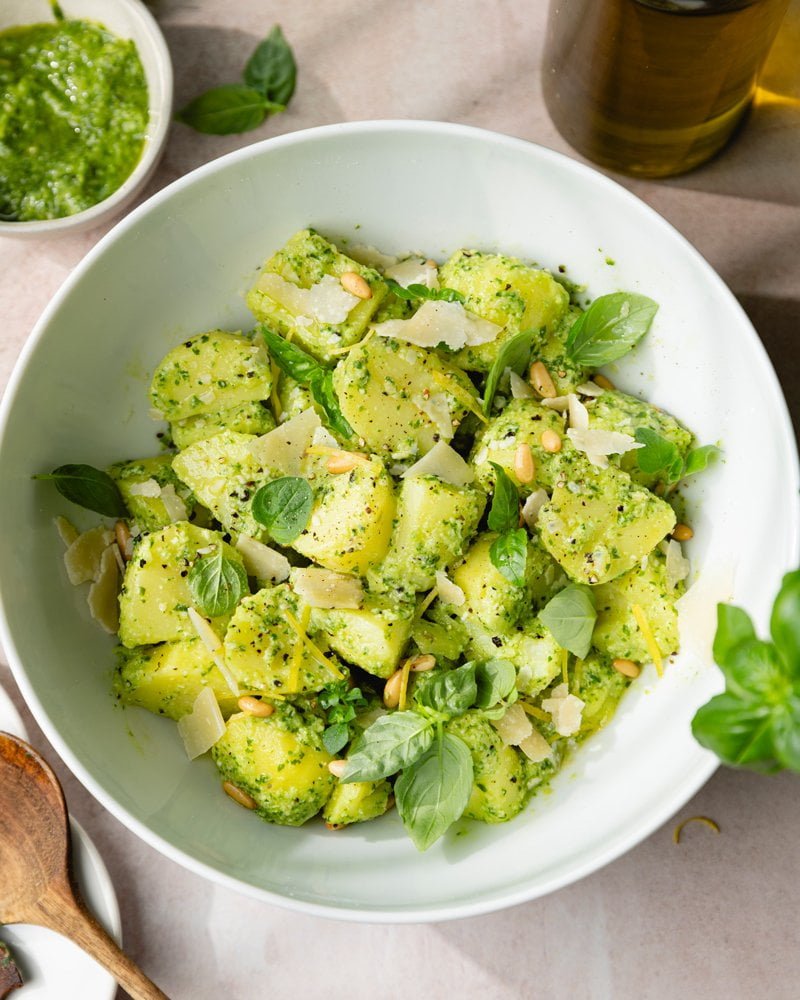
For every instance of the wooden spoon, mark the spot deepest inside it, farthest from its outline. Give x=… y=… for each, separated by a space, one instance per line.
x=36 y=886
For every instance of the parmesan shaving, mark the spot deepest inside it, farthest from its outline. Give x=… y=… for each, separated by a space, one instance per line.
x=413 y=271
x=371 y=256
x=436 y=408
x=578 y=414
x=444 y=462
x=449 y=592
x=590 y=389
x=149 y=488
x=203 y=726
x=676 y=565
x=67 y=531
x=435 y=323
x=264 y=563
x=284 y=447
x=325 y=302
x=532 y=506
x=560 y=403
x=323 y=588
x=173 y=505
x=519 y=387
x=102 y=596
x=565 y=710
x=535 y=747
x=322 y=437
x=82 y=560
x=597 y=444
x=514 y=726
x=211 y=641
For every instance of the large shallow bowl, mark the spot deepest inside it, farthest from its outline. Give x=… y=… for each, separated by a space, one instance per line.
x=180 y=264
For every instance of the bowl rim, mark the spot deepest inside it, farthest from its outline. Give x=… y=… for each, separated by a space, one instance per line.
x=154 y=141
x=682 y=791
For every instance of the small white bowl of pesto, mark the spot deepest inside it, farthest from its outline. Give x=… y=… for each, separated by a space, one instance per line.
x=87 y=88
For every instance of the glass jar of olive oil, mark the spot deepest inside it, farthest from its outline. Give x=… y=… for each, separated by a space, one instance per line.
x=654 y=87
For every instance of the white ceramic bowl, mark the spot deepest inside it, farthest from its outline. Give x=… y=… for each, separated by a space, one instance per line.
x=128 y=19
x=180 y=264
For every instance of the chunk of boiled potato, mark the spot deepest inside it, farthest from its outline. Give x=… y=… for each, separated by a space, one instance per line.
x=351 y=520
x=499 y=791
x=531 y=647
x=279 y=761
x=600 y=687
x=166 y=679
x=208 y=373
x=552 y=352
x=356 y=802
x=598 y=523
x=149 y=512
x=155 y=591
x=372 y=637
x=401 y=399
x=254 y=417
x=505 y=291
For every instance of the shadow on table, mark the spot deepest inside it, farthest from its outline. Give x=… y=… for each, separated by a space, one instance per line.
x=777 y=322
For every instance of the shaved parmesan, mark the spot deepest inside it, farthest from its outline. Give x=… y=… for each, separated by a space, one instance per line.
x=203 y=726
x=446 y=323
x=211 y=641
x=597 y=444
x=443 y=462
x=532 y=506
x=264 y=563
x=414 y=271
x=102 y=596
x=519 y=387
x=565 y=710
x=560 y=403
x=677 y=565
x=173 y=505
x=514 y=726
x=322 y=438
x=436 y=407
x=284 y=447
x=590 y=389
x=535 y=747
x=448 y=591
x=371 y=256
x=326 y=302
x=83 y=558
x=323 y=588
x=149 y=488
x=67 y=531
x=578 y=414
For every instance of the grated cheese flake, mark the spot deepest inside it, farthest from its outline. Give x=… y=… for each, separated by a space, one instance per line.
x=203 y=726
x=264 y=563
x=513 y=726
x=598 y=444
x=649 y=639
x=444 y=462
x=449 y=592
x=435 y=323
x=533 y=504
x=102 y=596
x=535 y=747
x=578 y=414
x=676 y=564
x=590 y=389
x=566 y=710
x=67 y=531
x=284 y=448
x=173 y=505
x=82 y=559
x=149 y=488
x=414 y=271
x=371 y=257
x=326 y=301
x=436 y=407
x=323 y=588
x=211 y=641
x=520 y=389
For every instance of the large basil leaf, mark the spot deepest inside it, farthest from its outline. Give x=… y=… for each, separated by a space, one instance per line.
x=391 y=743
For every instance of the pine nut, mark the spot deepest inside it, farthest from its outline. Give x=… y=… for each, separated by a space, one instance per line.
x=238 y=795
x=627 y=668
x=551 y=441
x=682 y=533
x=356 y=285
x=524 y=468
x=604 y=383
x=391 y=689
x=539 y=378
x=336 y=767
x=124 y=539
x=344 y=461
x=334 y=826
x=421 y=663
x=255 y=706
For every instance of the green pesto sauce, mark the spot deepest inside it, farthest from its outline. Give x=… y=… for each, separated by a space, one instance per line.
x=73 y=115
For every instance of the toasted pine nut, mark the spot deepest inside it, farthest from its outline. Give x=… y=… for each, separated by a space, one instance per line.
x=430 y=262
x=336 y=767
x=255 y=706
x=124 y=539
x=356 y=285
x=344 y=461
x=524 y=468
x=604 y=383
x=682 y=533
x=391 y=689
x=238 y=795
x=334 y=826
x=539 y=377
x=627 y=667
x=551 y=440
x=422 y=663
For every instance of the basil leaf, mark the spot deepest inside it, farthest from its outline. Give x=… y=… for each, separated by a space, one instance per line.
x=738 y=732
x=699 y=459
x=496 y=680
x=504 y=512
x=416 y=292
x=570 y=616
x=335 y=737
x=658 y=455
x=217 y=584
x=514 y=354
x=734 y=626
x=509 y=555
x=233 y=107
x=272 y=69
x=452 y=692
x=433 y=793
x=753 y=669
x=284 y=508
x=392 y=742
x=88 y=487
x=610 y=327
x=786 y=733
x=785 y=622
x=325 y=396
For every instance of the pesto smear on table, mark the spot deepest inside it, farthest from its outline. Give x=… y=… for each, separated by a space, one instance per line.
x=73 y=114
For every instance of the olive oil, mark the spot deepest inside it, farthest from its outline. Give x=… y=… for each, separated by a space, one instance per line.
x=654 y=87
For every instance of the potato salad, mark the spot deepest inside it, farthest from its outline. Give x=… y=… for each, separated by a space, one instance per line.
x=402 y=546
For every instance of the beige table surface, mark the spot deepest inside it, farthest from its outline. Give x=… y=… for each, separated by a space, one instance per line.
x=716 y=916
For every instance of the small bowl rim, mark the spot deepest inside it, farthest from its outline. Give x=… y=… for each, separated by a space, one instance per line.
x=155 y=139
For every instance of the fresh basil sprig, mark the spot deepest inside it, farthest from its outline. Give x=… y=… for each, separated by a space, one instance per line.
x=88 y=487
x=756 y=722
x=515 y=354
x=610 y=327
x=269 y=81
x=509 y=551
x=217 y=583
x=571 y=616
x=294 y=362
x=391 y=743
x=284 y=507
x=451 y=692
x=496 y=682
x=660 y=456
x=418 y=293
x=434 y=791
x=341 y=704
